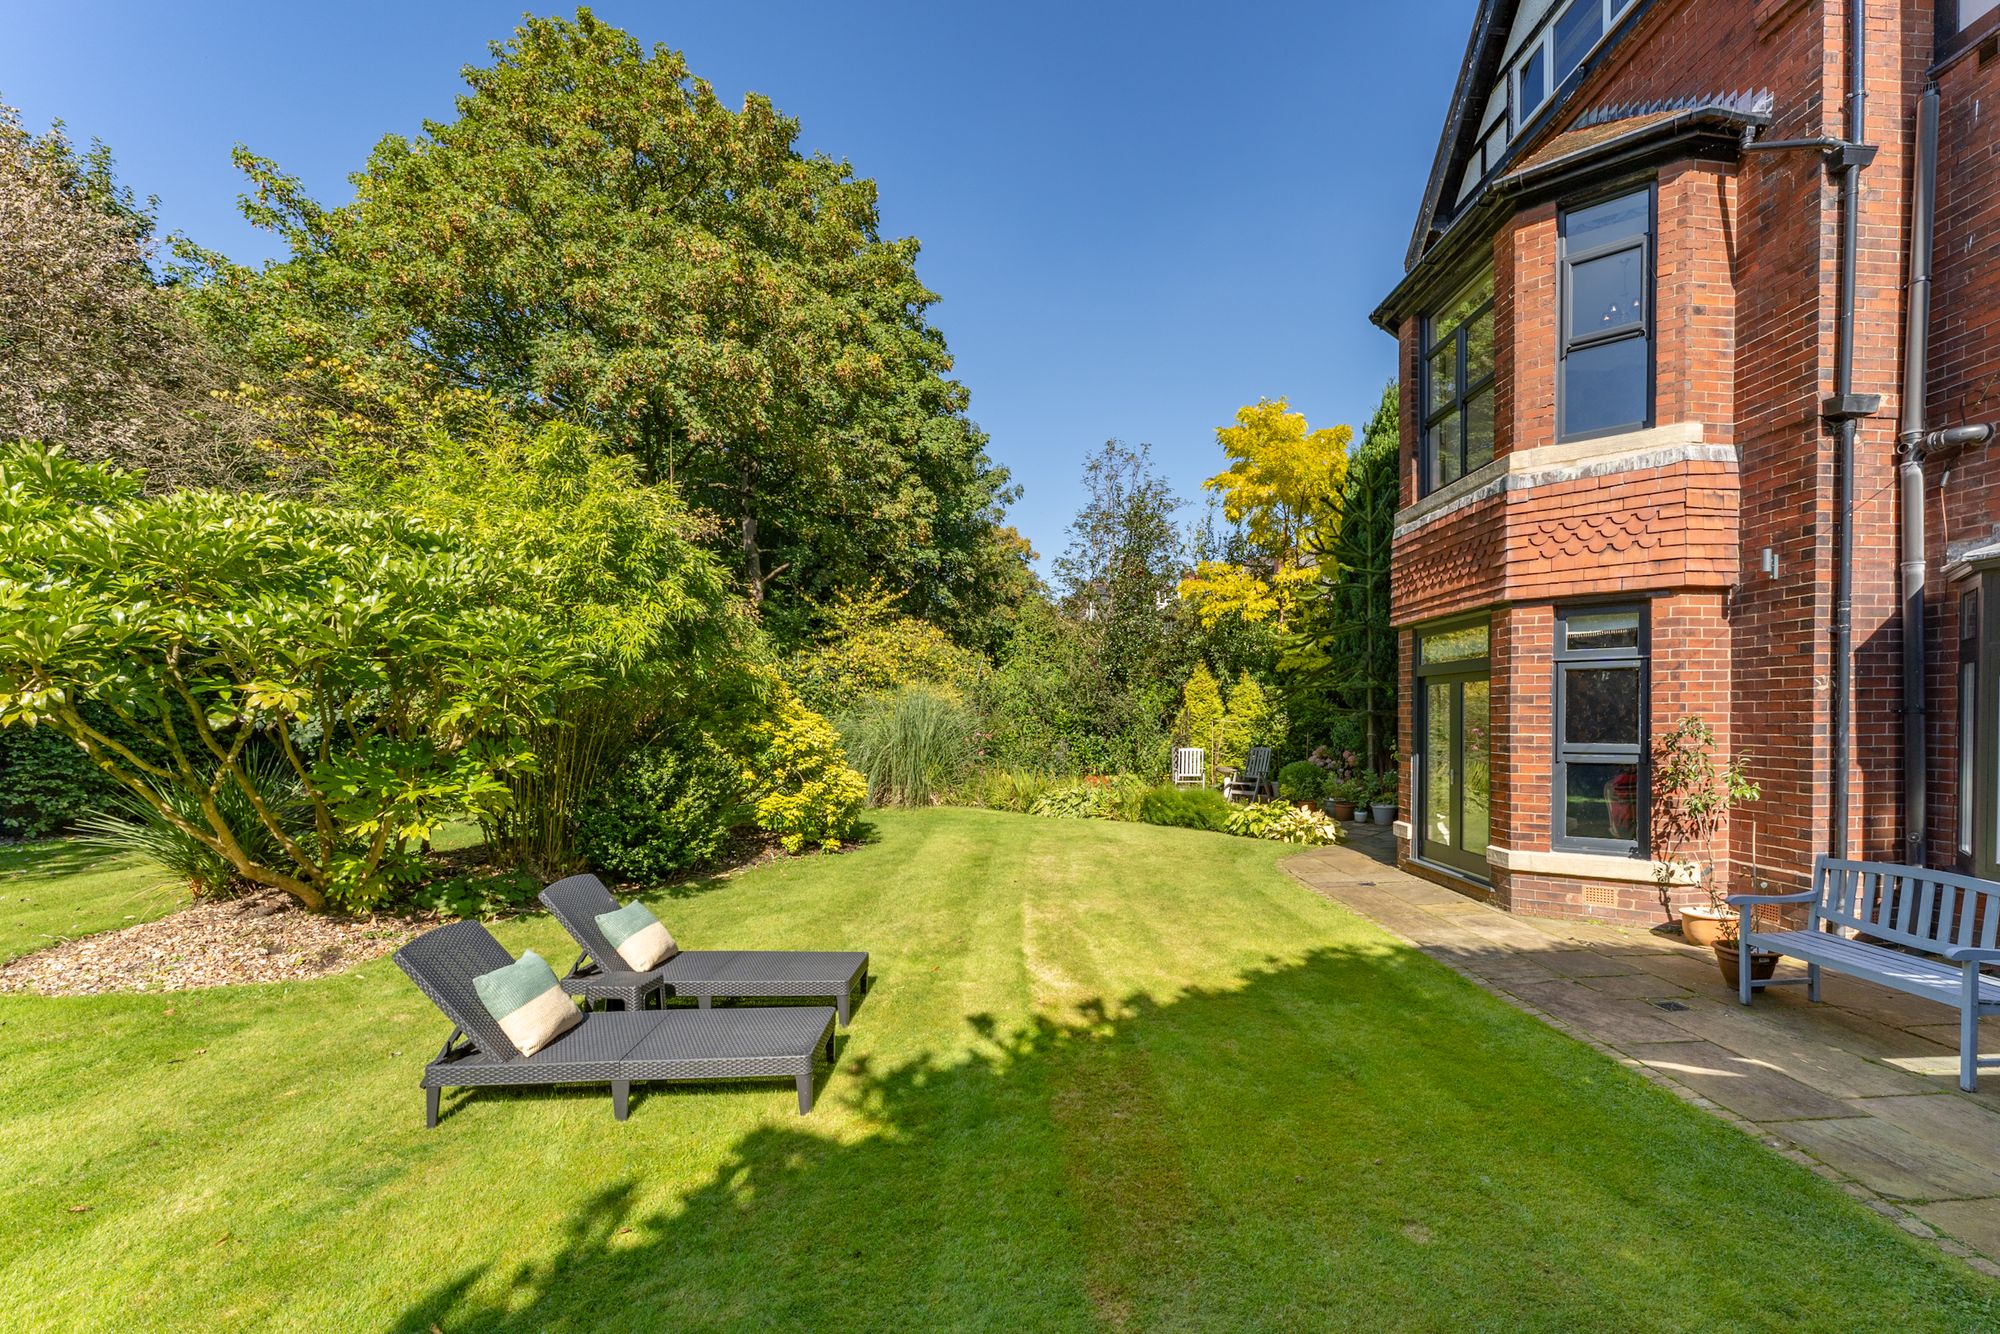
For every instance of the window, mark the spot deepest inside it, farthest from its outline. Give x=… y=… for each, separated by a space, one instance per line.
x=1605 y=379
x=1968 y=692
x=1452 y=765
x=1557 y=48
x=1600 y=742
x=1458 y=380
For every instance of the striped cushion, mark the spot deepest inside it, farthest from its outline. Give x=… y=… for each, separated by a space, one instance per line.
x=637 y=936
x=531 y=1007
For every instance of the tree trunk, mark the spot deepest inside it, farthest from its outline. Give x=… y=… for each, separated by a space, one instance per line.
x=753 y=561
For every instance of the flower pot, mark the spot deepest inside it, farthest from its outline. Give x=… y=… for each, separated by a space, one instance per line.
x=1385 y=812
x=1706 y=926
x=1762 y=963
x=1340 y=810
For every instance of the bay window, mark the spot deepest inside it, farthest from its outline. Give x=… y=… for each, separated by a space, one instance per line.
x=1458 y=385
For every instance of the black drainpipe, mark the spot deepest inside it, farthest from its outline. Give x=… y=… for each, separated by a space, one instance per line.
x=1910 y=485
x=1844 y=409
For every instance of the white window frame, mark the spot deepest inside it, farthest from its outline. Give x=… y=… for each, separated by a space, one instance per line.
x=1544 y=41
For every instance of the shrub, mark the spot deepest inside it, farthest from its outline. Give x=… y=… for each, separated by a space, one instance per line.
x=1284 y=824
x=914 y=746
x=390 y=662
x=1072 y=801
x=1185 y=808
x=1012 y=789
x=1301 y=780
x=800 y=784
x=870 y=649
x=1122 y=795
x=478 y=894
x=47 y=783
x=156 y=830
x=668 y=808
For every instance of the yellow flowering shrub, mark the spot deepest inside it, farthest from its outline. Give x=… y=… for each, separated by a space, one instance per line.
x=800 y=784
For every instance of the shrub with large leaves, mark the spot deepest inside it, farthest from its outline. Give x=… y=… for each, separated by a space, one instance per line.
x=390 y=663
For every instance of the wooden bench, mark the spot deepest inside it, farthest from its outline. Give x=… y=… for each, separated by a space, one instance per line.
x=1947 y=925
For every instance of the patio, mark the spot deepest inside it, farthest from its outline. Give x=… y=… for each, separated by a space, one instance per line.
x=1861 y=1088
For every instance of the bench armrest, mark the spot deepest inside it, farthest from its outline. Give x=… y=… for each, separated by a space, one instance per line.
x=1744 y=900
x=1970 y=954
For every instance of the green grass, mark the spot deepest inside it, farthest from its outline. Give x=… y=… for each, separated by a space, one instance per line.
x=51 y=892
x=1112 y=1075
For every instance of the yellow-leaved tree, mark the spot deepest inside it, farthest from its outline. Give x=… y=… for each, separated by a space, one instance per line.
x=1282 y=491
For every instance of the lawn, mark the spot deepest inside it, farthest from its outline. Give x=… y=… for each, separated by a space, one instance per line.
x=52 y=892
x=1111 y=1076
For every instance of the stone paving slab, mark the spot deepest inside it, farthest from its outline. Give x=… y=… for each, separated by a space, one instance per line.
x=1753 y=1089
x=1861 y=1087
x=1891 y=1161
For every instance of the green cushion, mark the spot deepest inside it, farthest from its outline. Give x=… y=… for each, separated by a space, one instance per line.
x=641 y=941
x=529 y=1003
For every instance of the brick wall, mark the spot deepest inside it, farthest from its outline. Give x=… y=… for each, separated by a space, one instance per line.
x=1745 y=316
x=1963 y=489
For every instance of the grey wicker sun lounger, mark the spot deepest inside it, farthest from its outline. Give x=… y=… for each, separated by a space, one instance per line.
x=620 y=1049
x=599 y=974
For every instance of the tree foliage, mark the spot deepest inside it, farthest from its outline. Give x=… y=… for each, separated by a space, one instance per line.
x=95 y=354
x=596 y=236
x=1282 y=491
x=1343 y=648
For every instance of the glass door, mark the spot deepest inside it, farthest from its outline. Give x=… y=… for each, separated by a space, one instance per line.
x=1454 y=771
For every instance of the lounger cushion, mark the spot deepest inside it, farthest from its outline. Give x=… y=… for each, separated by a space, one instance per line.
x=637 y=936
x=524 y=996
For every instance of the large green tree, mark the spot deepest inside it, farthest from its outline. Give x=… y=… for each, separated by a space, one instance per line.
x=597 y=236
x=1342 y=657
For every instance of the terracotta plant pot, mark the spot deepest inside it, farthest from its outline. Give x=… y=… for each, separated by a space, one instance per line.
x=1762 y=963
x=1340 y=810
x=1705 y=926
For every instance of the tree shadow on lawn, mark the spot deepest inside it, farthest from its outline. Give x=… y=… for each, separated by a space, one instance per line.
x=1355 y=1137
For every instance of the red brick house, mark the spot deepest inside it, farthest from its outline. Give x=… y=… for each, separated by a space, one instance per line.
x=1698 y=370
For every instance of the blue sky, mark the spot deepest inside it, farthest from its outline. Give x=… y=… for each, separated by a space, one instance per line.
x=1139 y=216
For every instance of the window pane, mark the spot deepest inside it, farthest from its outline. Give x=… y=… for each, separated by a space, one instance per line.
x=1533 y=85
x=1445 y=464
x=1437 y=762
x=1601 y=706
x=1613 y=220
x=1468 y=299
x=1478 y=782
x=1605 y=386
x=1585 y=630
x=1479 y=348
x=1602 y=801
x=1607 y=293
x=1966 y=742
x=1444 y=374
x=1577 y=30
x=1479 y=430
x=1461 y=645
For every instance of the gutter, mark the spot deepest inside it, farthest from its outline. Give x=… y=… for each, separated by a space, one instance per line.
x=1842 y=411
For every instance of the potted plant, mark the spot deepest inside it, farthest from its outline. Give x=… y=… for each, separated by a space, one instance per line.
x=1302 y=783
x=1342 y=794
x=1382 y=797
x=1694 y=793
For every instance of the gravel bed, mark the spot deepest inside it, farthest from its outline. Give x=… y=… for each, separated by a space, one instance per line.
x=252 y=939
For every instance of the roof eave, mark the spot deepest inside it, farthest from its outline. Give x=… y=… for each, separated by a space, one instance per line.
x=1715 y=132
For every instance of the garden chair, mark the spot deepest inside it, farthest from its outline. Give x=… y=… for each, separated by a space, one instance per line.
x=1190 y=767
x=619 y=1049
x=599 y=974
x=1253 y=781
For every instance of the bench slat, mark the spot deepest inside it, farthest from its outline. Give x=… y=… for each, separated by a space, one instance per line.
x=1933 y=980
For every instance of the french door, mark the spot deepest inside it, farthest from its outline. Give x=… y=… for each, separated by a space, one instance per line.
x=1454 y=728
